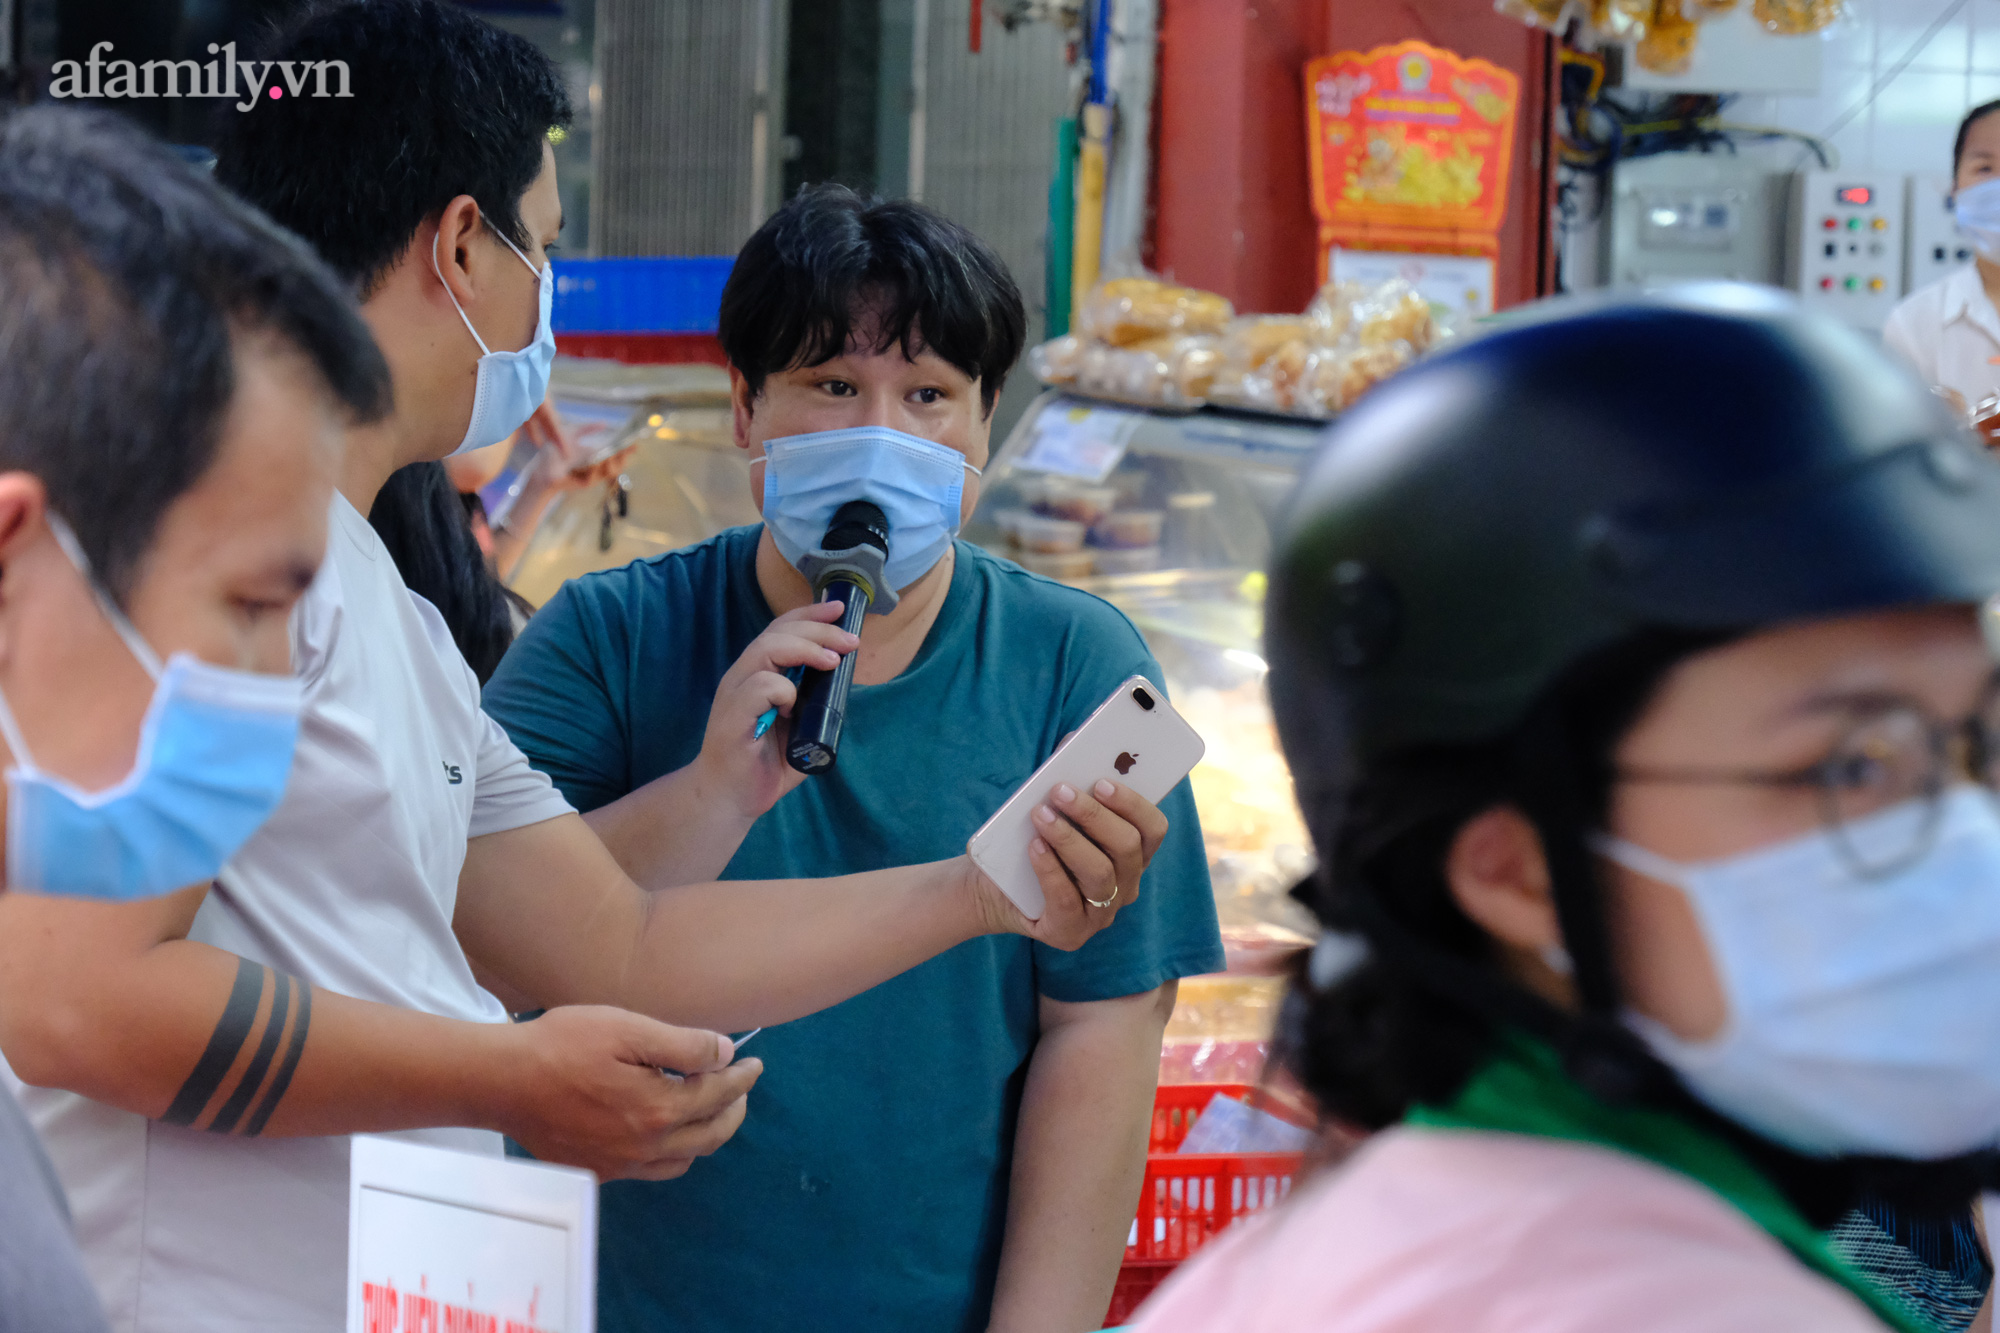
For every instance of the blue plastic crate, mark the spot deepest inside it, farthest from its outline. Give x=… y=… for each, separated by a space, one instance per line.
x=659 y=294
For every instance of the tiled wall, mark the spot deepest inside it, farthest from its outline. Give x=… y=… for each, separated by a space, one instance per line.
x=1909 y=126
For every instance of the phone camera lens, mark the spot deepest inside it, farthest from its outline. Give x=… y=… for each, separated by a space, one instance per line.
x=1143 y=699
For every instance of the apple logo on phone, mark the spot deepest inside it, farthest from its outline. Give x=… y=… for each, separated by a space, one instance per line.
x=1123 y=763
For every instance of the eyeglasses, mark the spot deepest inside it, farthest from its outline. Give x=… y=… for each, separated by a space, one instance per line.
x=1892 y=757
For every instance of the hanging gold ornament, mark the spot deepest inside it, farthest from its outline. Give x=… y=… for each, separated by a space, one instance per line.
x=1550 y=14
x=1620 y=20
x=1796 y=18
x=1668 y=46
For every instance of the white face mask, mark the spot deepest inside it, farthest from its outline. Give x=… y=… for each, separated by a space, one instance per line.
x=511 y=385
x=1864 y=1014
x=1977 y=209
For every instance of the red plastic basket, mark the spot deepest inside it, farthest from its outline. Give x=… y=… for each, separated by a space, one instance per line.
x=1190 y=1198
x=1135 y=1284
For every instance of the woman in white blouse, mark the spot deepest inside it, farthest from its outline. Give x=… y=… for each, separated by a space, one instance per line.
x=1950 y=330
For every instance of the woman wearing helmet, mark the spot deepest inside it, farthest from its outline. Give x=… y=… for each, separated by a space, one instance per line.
x=1629 y=664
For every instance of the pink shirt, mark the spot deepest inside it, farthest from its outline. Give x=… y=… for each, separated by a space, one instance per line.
x=1427 y=1231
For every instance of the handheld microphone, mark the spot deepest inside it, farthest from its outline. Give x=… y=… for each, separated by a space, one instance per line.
x=848 y=568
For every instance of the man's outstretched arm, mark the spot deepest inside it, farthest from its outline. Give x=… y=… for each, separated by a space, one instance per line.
x=548 y=913
x=113 y=1002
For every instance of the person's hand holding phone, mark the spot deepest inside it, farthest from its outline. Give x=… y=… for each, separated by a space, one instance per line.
x=1089 y=851
x=561 y=464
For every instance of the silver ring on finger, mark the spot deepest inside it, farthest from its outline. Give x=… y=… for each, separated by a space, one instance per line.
x=1108 y=901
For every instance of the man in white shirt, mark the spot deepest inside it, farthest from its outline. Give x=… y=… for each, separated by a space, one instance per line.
x=197 y=1063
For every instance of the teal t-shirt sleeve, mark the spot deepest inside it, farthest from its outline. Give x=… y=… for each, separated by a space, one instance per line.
x=553 y=694
x=1171 y=931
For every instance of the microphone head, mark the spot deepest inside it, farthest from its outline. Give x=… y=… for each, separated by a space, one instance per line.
x=857 y=523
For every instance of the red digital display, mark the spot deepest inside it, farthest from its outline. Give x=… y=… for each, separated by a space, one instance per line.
x=1855 y=196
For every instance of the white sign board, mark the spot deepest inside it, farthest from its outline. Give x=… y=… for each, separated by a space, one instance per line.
x=1462 y=284
x=452 y=1242
x=1073 y=440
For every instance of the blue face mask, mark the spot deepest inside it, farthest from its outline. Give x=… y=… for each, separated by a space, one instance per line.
x=215 y=751
x=511 y=385
x=915 y=483
x=1977 y=211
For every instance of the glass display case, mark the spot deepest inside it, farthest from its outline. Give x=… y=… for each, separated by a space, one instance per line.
x=1168 y=517
x=685 y=482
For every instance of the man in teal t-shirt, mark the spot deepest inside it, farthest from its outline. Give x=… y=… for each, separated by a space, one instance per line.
x=960 y=1147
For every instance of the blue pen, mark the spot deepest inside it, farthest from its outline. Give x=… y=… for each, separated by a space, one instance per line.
x=770 y=715
x=737 y=1042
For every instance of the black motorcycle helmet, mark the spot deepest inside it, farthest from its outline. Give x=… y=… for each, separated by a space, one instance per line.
x=1624 y=480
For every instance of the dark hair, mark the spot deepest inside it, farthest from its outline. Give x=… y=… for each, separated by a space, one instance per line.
x=127 y=279
x=422 y=520
x=444 y=105
x=830 y=258
x=1388 y=1035
x=1972 y=117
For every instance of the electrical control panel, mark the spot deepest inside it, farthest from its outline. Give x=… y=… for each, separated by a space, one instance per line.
x=1685 y=217
x=1933 y=247
x=1845 y=253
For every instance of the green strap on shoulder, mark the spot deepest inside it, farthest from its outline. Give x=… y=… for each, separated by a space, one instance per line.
x=1525 y=1091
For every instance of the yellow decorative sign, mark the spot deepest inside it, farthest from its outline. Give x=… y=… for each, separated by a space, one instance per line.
x=1412 y=145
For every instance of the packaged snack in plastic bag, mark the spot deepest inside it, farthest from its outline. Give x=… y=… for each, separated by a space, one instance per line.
x=1255 y=339
x=1196 y=363
x=1132 y=374
x=1708 y=9
x=1341 y=377
x=1237 y=387
x=1668 y=46
x=1290 y=369
x=1057 y=361
x=1620 y=20
x=1192 y=362
x=1123 y=311
x=1550 y=14
x=1227 y=1125
x=1394 y=312
x=1796 y=18
x=1331 y=310
x=1278 y=382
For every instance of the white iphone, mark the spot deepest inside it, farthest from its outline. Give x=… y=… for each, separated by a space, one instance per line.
x=1135 y=737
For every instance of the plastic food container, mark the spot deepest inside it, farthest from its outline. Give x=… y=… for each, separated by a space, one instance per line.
x=1137 y=560
x=1009 y=523
x=1032 y=487
x=1048 y=536
x=1129 y=529
x=1084 y=504
x=1059 y=564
